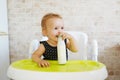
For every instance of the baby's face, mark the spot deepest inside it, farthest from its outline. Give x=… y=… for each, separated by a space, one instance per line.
x=54 y=27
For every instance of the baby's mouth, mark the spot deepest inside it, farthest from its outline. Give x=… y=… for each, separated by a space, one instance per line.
x=57 y=36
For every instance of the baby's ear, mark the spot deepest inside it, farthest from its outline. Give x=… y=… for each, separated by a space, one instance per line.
x=44 y=33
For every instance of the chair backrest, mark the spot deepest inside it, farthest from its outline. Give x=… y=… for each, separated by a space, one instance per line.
x=81 y=40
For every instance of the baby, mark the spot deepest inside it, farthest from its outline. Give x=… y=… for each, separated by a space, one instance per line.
x=52 y=26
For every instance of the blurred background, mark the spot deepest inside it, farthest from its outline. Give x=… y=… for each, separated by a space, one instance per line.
x=100 y=19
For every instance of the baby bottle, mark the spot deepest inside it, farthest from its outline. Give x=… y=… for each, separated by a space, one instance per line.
x=61 y=50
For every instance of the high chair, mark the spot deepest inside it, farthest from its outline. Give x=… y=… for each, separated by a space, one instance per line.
x=82 y=65
x=86 y=51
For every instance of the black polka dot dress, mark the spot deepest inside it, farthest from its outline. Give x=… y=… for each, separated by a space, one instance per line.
x=50 y=51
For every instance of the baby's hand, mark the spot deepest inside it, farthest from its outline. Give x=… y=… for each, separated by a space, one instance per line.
x=44 y=63
x=65 y=35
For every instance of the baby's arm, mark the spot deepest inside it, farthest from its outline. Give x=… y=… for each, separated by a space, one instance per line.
x=37 y=54
x=71 y=43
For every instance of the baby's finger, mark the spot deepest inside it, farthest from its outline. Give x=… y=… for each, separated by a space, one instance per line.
x=42 y=65
x=46 y=64
x=64 y=36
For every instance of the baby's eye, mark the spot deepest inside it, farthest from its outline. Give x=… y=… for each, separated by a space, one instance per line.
x=56 y=28
x=62 y=27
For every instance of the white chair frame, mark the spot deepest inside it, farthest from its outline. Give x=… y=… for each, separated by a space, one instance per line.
x=85 y=52
x=82 y=41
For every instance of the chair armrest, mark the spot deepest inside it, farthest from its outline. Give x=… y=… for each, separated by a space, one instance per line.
x=33 y=46
x=93 y=50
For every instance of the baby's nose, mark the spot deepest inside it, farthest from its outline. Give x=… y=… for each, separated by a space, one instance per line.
x=58 y=31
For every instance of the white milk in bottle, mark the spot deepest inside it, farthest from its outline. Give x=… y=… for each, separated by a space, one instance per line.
x=61 y=50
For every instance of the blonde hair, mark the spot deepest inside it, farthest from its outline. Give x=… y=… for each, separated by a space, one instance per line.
x=48 y=16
